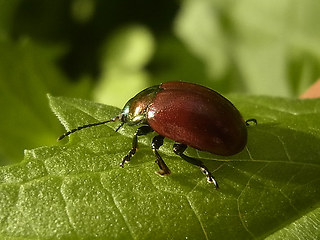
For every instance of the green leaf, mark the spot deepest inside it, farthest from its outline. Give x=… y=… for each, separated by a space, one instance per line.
x=7 y=11
x=262 y=43
x=124 y=57
x=78 y=191
x=305 y=227
x=27 y=73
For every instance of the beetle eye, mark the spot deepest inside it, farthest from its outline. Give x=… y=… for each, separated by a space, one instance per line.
x=123 y=117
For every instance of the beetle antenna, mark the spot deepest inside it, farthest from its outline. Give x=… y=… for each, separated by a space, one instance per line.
x=81 y=127
x=88 y=125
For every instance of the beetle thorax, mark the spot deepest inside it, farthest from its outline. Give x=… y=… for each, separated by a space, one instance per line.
x=135 y=110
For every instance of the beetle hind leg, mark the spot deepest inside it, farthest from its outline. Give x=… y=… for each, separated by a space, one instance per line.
x=157 y=142
x=139 y=132
x=180 y=148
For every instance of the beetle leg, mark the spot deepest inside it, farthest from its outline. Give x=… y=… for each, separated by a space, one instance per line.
x=139 y=132
x=251 y=120
x=157 y=142
x=180 y=148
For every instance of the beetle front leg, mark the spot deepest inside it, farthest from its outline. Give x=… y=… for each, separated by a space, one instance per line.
x=157 y=142
x=180 y=148
x=139 y=132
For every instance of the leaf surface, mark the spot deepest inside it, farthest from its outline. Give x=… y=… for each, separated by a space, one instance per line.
x=76 y=189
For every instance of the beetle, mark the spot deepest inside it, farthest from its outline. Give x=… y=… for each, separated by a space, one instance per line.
x=189 y=114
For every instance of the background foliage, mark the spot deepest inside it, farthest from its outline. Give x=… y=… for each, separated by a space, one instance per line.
x=107 y=51
x=91 y=49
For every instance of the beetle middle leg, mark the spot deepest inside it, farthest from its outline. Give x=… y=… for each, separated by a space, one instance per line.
x=157 y=142
x=180 y=148
x=139 y=132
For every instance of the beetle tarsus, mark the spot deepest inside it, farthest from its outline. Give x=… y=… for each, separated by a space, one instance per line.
x=127 y=158
x=157 y=142
x=180 y=148
x=209 y=176
x=251 y=120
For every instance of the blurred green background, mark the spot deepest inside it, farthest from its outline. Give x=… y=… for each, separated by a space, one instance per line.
x=107 y=51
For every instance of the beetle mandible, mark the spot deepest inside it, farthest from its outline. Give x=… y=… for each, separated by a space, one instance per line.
x=189 y=114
